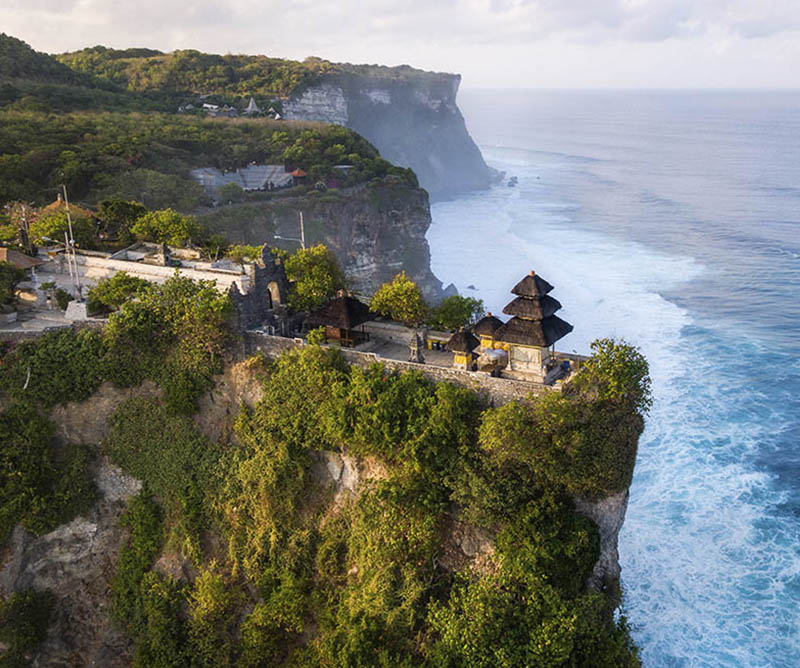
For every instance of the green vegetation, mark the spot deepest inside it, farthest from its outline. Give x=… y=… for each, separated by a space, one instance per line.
x=177 y=463
x=400 y=300
x=361 y=583
x=454 y=312
x=39 y=486
x=63 y=298
x=243 y=253
x=24 y=618
x=175 y=334
x=111 y=293
x=143 y=518
x=147 y=158
x=304 y=582
x=62 y=365
x=54 y=225
x=231 y=77
x=316 y=276
x=9 y=277
x=166 y=226
x=119 y=215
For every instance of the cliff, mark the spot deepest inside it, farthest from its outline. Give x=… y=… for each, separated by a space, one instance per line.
x=337 y=496
x=411 y=117
x=375 y=229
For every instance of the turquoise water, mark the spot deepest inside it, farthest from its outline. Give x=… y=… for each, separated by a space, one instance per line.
x=672 y=220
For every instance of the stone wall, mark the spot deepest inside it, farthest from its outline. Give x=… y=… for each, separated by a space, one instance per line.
x=496 y=391
x=94 y=267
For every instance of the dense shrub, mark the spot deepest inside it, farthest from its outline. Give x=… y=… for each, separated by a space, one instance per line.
x=361 y=582
x=39 y=487
x=401 y=300
x=316 y=277
x=54 y=225
x=211 y=620
x=111 y=293
x=24 y=618
x=176 y=334
x=9 y=277
x=584 y=439
x=172 y=458
x=454 y=312
x=162 y=642
x=59 y=366
x=166 y=226
x=144 y=519
x=63 y=298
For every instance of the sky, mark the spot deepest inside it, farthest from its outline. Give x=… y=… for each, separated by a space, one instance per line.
x=491 y=43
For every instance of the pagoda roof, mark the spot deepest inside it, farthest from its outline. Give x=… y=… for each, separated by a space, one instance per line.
x=487 y=325
x=532 y=285
x=533 y=309
x=462 y=341
x=343 y=312
x=541 y=333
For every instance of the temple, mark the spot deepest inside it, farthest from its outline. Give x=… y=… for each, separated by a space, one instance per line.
x=533 y=328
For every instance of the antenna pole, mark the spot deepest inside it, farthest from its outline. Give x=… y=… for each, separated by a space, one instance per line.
x=302 y=232
x=71 y=247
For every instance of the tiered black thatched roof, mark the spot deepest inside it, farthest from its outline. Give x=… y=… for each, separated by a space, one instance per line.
x=343 y=312
x=542 y=333
x=462 y=342
x=487 y=325
x=532 y=286
x=534 y=322
x=534 y=309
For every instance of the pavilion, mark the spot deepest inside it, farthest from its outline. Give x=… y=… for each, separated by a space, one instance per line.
x=340 y=317
x=534 y=327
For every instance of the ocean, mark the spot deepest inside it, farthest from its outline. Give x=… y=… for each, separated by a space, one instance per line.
x=672 y=220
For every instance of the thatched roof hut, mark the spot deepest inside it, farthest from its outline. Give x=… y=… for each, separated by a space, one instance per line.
x=344 y=312
x=487 y=325
x=462 y=341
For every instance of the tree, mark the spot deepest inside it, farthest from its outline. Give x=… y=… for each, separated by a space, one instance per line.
x=214 y=244
x=241 y=253
x=166 y=226
x=54 y=224
x=110 y=293
x=316 y=275
x=456 y=311
x=9 y=277
x=401 y=300
x=119 y=215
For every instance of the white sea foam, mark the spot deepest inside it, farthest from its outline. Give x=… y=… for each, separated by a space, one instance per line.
x=705 y=570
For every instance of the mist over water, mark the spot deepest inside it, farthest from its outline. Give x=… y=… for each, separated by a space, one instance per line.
x=671 y=220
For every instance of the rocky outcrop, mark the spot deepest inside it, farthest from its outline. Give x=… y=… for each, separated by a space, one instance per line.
x=411 y=117
x=77 y=562
x=87 y=421
x=608 y=514
x=375 y=230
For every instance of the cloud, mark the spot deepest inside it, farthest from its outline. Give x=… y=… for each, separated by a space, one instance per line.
x=318 y=23
x=525 y=35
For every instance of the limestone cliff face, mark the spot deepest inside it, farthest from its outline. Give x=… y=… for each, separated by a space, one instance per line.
x=608 y=514
x=411 y=117
x=375 y=230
